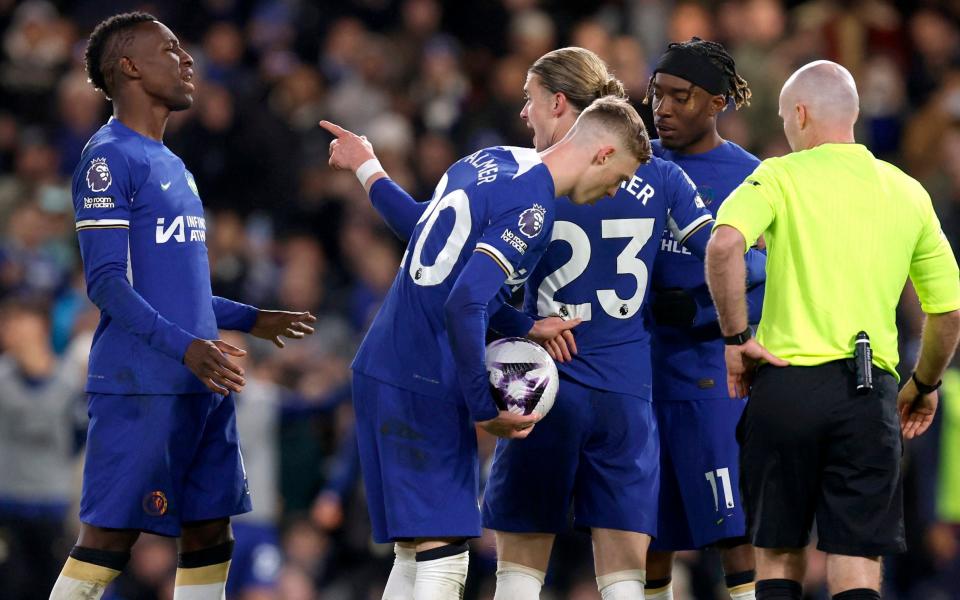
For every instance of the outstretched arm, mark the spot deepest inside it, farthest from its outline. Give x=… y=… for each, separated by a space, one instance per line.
x=104 y=252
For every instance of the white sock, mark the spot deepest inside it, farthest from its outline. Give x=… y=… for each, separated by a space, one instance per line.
x=202 y=574
x=402 y=575
x=441 y=578
x=622 y=585
x=664 y=593
x=83 y=580
x=201 y=583
x=746 y=591
x=67 y=588
x=518 y=582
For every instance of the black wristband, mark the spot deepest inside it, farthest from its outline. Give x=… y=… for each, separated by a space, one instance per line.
x=740 y=338
x=924 y=388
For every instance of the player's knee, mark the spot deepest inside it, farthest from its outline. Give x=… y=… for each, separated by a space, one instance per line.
x=531 y=550
x=659 y=565
x=110 y=540
x=199 y=535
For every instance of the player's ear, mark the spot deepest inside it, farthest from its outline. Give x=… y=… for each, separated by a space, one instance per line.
x=128 y=68
x=718 y=104
x=604 y=154
x=558 y=104
x=800 y=113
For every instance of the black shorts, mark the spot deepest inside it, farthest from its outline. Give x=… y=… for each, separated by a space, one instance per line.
x=811 y=448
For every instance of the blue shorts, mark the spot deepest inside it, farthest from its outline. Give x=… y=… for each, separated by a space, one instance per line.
x=155 y=462
x=699 y=486
x=256 y=558
x=595 y=449
x=419 y=460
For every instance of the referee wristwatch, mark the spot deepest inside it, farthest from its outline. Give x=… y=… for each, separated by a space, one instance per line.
x=924 y=388
x=739 y=339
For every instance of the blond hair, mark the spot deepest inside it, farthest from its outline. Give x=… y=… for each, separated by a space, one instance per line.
x=618 y=116
x=578 y=74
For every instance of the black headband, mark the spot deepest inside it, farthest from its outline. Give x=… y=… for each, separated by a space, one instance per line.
x=695 y=68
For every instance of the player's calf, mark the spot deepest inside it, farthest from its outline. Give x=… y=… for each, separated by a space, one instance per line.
x=659 y=584
x=620 y=562
x=739 y=567
x=522 y=560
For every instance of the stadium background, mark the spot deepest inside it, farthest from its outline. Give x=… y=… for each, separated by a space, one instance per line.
x=427 y=82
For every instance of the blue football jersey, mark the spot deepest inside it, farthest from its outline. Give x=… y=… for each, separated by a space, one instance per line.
x=598 y=267
x=687 y=367
x=139 y=216
x=499 y=201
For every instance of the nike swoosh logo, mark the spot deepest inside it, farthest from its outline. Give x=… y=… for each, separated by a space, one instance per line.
x=164 y=186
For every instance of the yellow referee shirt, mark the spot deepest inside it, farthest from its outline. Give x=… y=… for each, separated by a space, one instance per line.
x=843 y=230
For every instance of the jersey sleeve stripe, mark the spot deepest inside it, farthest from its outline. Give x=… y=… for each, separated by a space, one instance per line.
x=497 y=257
x=682 y=234
x=103 y=224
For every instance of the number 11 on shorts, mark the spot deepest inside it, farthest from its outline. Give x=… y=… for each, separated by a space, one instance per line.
x=724 y=476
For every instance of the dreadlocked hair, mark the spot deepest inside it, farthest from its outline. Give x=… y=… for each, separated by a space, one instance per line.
x=715 y=52
x=107 y=44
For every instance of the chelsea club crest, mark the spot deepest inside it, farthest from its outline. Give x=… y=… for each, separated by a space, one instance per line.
x=191 y=183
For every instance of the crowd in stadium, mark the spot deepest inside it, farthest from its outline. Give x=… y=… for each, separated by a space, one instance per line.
x=427 y=82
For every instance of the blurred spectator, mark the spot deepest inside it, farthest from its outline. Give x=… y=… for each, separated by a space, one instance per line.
x=82 y=111
x=38 y=396
x=36 y=46
x=936 y=43
x=28 y=265
x=35 y=165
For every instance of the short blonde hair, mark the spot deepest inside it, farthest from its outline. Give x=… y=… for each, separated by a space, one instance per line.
x=618 y=116
x=578 y=74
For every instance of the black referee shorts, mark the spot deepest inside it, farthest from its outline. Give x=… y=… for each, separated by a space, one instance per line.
x=811 y=448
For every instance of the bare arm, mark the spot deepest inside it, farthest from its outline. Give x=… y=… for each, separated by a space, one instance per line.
x=726 y=277
x=941 y=333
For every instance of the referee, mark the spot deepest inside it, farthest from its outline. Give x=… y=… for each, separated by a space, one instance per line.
x=843 y=231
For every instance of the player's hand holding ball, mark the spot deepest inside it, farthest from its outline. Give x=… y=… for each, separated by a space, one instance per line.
x=207 y=359
x=510 y=425
x=273 y=325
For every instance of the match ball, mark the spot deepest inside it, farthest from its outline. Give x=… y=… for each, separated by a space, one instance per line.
x=523 y=377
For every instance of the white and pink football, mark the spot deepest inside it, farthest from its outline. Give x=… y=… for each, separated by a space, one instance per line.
x=523 y=377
